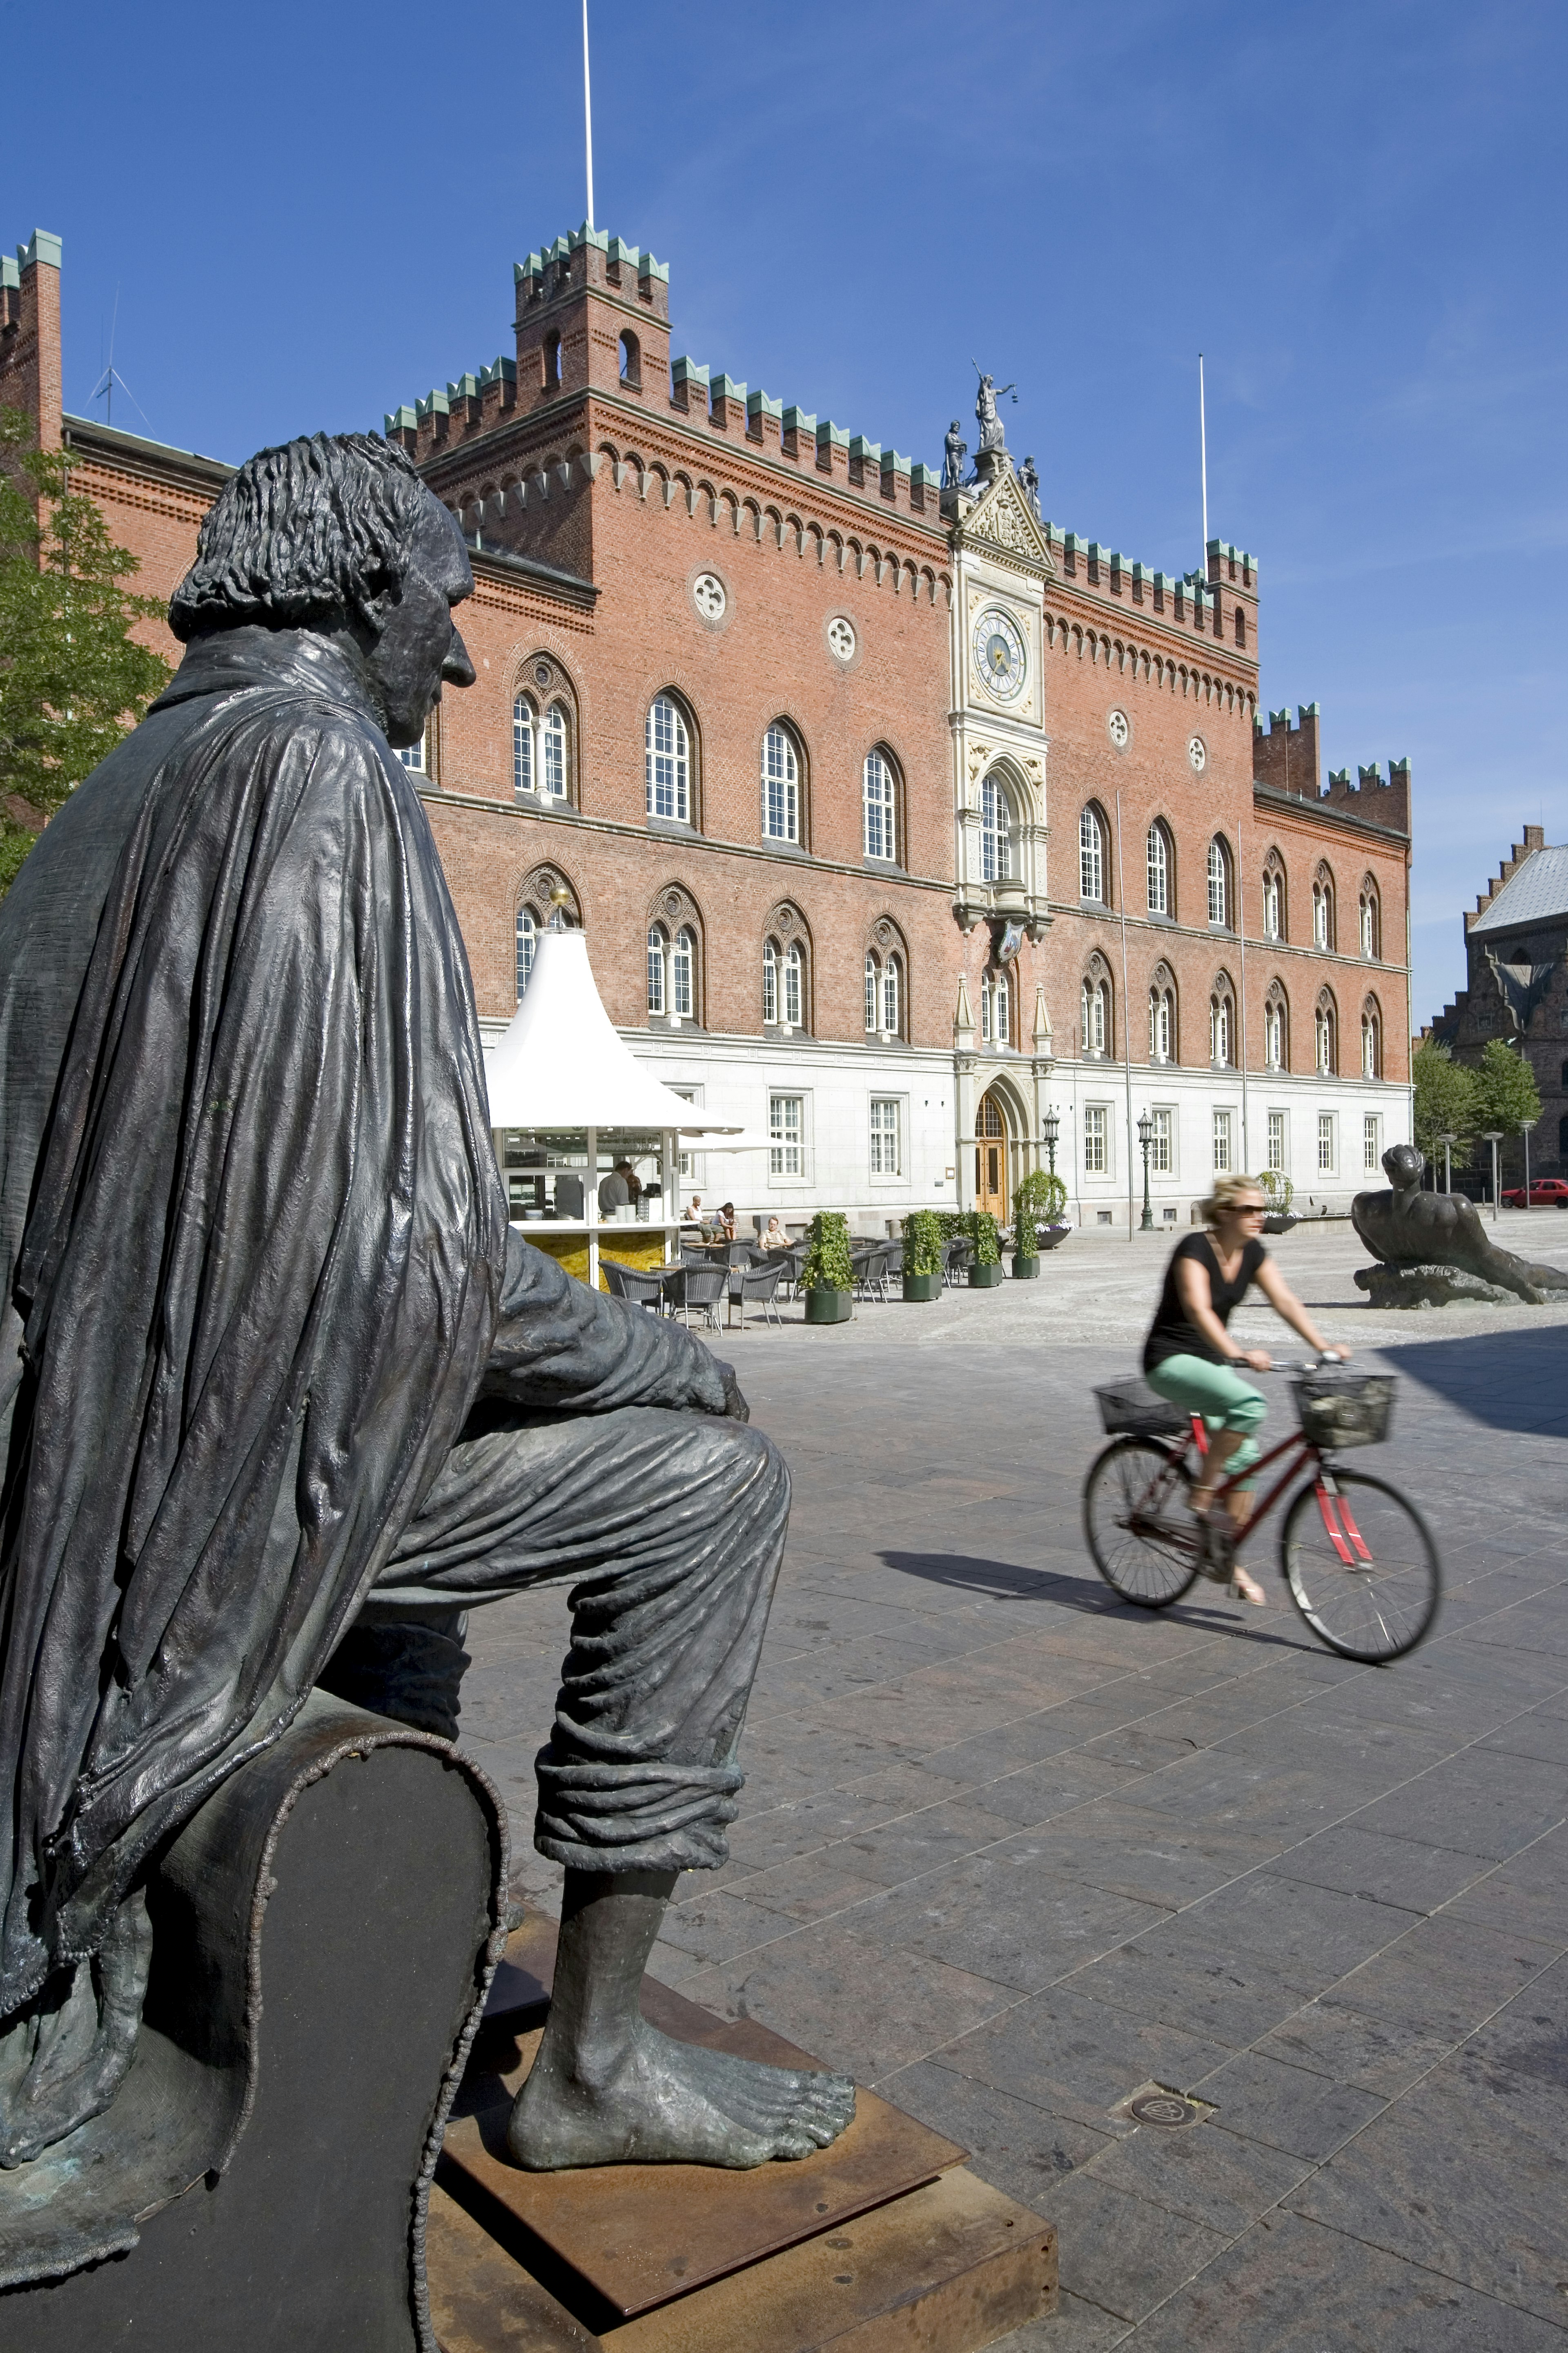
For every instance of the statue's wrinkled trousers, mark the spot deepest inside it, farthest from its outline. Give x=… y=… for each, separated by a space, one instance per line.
x=673 y=1526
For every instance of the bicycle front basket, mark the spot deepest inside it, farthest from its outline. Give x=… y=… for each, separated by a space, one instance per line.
x=1344 y=1410
x=1132 y=1409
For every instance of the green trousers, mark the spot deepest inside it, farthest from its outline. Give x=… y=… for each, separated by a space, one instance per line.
x=1224 y=1400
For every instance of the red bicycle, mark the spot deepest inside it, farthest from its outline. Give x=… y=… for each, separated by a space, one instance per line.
x=1360 y=1560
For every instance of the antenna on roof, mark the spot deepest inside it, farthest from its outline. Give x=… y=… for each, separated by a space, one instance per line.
x=588 y=114
x=104 y=388
x=1203 y=459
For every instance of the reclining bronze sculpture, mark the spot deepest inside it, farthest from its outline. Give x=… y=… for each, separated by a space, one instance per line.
x=283 y=1394
x=1417 y=1234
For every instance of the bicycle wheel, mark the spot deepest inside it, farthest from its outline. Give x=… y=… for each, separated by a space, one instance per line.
x=1362 y=1566
x=1140 y=1535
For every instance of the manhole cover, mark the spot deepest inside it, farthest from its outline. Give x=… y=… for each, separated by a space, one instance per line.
x=1163 y=2108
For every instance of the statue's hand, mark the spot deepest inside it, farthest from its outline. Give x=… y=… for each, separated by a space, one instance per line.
x=735 y=1405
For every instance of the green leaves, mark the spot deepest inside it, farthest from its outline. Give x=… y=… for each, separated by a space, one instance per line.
x=72 y=679
x=1506 y=1092
x=1447 y=1101
x=924 y=1242
x=827 y=1263
x=1039 y=1201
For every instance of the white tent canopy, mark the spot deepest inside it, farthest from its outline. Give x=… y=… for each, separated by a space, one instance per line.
x=562 y=1064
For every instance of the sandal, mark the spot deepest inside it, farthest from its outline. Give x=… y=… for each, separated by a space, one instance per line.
x=1239 y=1592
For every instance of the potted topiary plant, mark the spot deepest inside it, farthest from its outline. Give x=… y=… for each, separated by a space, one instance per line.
x=826 y=1275
x=985 y=1268
x=924 y=1249
x=1041 y=1198
x=1278 y=1192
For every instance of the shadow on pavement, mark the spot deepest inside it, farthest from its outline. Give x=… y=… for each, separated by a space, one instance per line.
x=1002 y=1580
x=1510 y=1380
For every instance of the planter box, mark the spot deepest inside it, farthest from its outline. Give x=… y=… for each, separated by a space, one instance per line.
x=1026 y=1269
x=923 y=1286
x=984 y=1277
x=828 y=1306
x=1049 y=1237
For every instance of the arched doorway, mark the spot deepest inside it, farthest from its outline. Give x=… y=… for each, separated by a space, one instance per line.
x=991 y=1159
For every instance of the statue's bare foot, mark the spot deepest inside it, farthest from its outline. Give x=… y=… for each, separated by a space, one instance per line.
x=662 y=2101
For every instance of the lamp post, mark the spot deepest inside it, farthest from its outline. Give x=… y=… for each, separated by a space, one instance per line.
x=1447 y=1143
x=1050 y=1128
x=1524 y=1127
x=1493 y=1136
x=1145 y=1137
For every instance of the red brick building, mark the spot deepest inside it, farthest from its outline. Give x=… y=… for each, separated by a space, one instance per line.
x=899 y=820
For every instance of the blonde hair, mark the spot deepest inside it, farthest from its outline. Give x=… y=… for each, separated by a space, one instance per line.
x=1227 y=1192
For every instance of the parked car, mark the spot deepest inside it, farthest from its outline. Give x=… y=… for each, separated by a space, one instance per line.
x=1545 y=1193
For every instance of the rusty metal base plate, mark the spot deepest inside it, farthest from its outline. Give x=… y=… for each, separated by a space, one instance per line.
x=945 y=2269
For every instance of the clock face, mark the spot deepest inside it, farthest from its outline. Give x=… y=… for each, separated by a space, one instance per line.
x=999 y=653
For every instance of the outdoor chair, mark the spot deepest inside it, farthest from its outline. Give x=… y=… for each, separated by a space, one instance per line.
x=869 y=1270
x=759 y=1283
x=644 y=1290
x=789 y=1264
x=955 y=1261
x=700 y=1289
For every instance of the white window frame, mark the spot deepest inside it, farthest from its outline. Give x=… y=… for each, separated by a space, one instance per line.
x=1273 y=1034
x=1091 y=856
x=892 y=1009
x=554 y=753
x=668 y=762
x=788 y=1140
x=1323 y=1041
x=1371 y=1143
x=887 y=1136
x=686 y=1169
x=1273 y=897
x=1161 y=1025
x=1223 y=1140
x=412 y=757
x=1222 y=1024
x=1276 y=1128
x=1096 y=1017
x=794 y=985
x=658 y=970
x=522 y=745
x=1163 y=1140
x=995 y=1011
x=526 y=931
x=1370 y=1044
x=781 y=785
x=1098 y=1141
x=873 y=991
x=770 y=984
x=1328 y=1153
x=1319 y=915
x=1159 y=859
x=995 y=830
x=880 y=807
x=683 y=975
x=1219 y=885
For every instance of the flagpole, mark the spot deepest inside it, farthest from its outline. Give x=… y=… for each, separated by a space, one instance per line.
x=1203 y=427
x=588 y=114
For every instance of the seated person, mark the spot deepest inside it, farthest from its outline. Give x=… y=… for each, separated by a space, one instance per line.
x=725 y=1222
x=774 y=1236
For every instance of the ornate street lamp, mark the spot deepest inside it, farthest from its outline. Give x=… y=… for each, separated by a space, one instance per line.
x=1447 y=1142
x=1493 y=1136
x=1145 y=1138
x=1524 y=1127
x=1050 y=1128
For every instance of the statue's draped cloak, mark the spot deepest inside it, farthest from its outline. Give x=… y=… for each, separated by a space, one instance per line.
x=256 y=1259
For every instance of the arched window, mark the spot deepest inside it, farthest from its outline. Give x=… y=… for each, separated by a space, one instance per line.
x=522 y=764
x=995 y=1011
x=1273 y=898
x=553 y=753
x=1240 y=625
x=658 y=957
x=781 y=785
x=1091 y=857
x=1222 y=1025
x=1324 y=909
x=551 y=356
x=1371 y=1041
x=794 y=984
x=1219 y=884
x=1325 y=1025
x=770 y=984
x=668 y=761
x=1095 y=1013
x=892 y=994
x=683 y=973
x=527 y=941
x=1159 y=869
x=1370 y=925
x=631 y=360
x=1161 y=1017
x=995 y=831
x=873 y=990
x=881 y=836
x=1276 y=1029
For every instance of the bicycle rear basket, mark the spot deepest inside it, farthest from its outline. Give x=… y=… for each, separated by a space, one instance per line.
x=1132 y=1409
x=1344 y=1409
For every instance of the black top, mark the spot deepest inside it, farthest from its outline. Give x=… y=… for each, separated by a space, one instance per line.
x=1171 y=1335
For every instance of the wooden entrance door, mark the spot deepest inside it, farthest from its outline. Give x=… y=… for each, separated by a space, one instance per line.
x=991 y=1159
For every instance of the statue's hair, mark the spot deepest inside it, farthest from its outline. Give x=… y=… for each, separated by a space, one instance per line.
x=304 y=536
x=1227 y=1192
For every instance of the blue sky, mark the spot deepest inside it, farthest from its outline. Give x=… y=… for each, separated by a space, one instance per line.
x=1356 y=211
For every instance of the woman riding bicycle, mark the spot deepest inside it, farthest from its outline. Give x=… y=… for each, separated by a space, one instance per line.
x=1190 y=1358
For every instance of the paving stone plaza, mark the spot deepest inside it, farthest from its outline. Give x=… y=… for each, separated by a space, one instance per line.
x=1011 y=1851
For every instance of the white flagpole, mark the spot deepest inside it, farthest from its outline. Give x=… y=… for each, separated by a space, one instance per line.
x=1202 y=428
x=588 y=114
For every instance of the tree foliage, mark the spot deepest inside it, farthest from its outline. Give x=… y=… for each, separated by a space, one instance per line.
x=1506 y=1092
x=73 y=681
x=826 y=1265
x=1448 y=1102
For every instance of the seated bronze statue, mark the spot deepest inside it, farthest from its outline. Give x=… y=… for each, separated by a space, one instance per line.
x=1406 y=1227
x=282 y=1392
